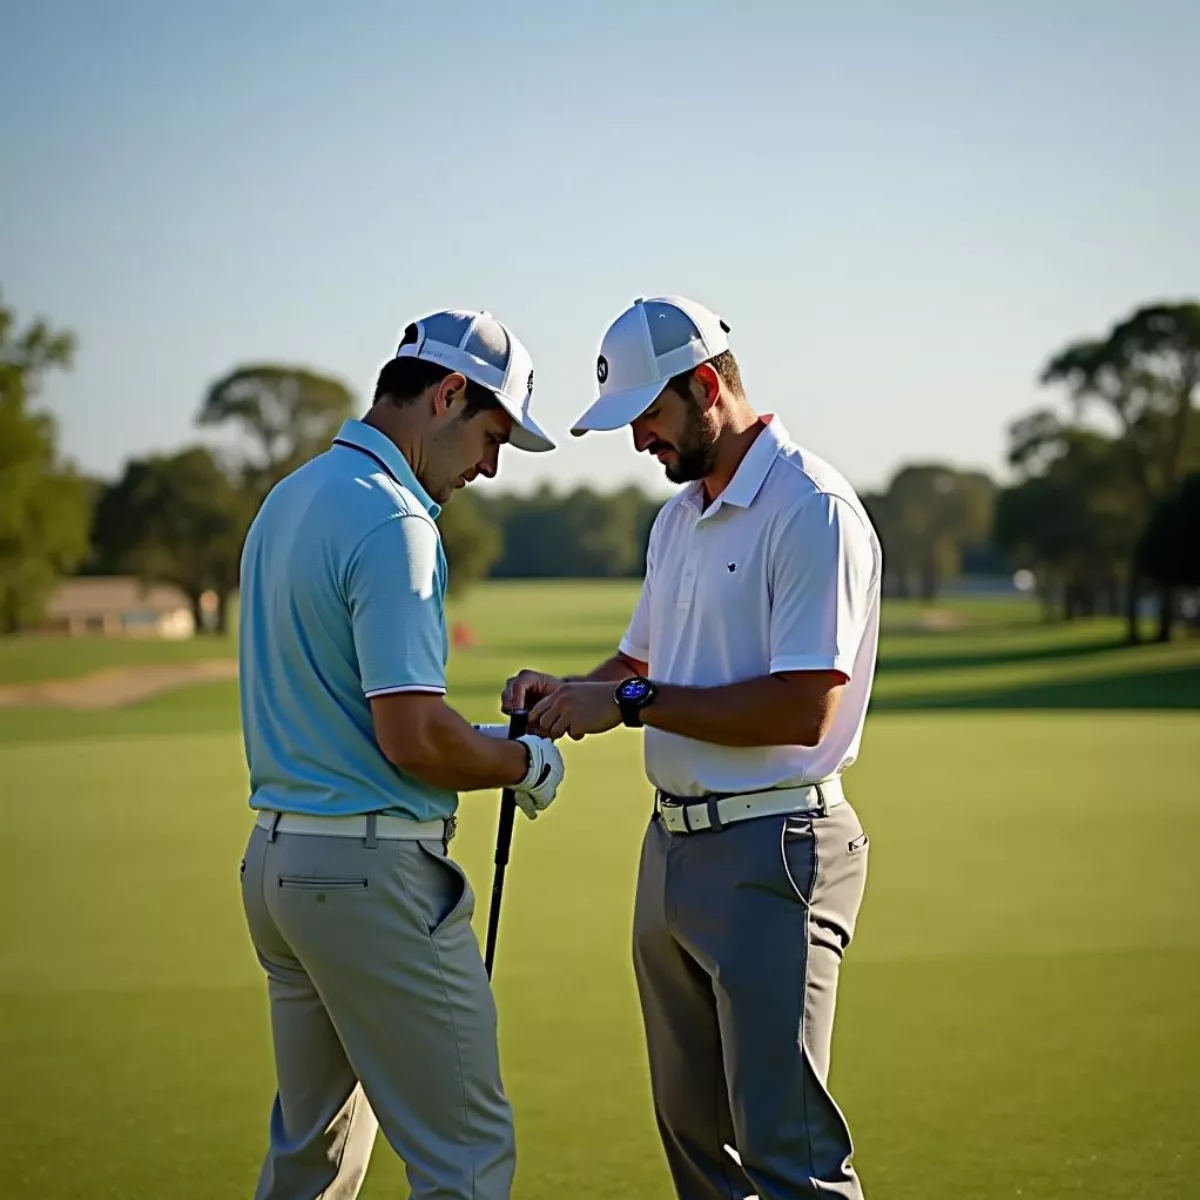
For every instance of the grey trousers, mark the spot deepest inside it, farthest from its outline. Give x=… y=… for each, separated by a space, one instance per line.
x=381 y=1015
x=738 y=939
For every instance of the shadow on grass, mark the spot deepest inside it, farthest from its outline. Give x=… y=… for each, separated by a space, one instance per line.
x=899 y=626
x=1168 y=689
x=997 y=657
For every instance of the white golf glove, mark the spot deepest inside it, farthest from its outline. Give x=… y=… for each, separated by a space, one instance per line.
x=537 y=790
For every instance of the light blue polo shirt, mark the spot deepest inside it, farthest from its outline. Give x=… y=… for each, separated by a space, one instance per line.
x=343 y=586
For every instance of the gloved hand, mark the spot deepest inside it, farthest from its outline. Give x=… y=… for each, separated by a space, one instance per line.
x=537 y=790
x=539 y=787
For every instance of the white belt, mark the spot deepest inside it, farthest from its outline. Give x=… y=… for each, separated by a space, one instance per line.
x=680 y=816
x=386 y=826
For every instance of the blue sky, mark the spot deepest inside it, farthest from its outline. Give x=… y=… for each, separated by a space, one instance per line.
x=901 y=208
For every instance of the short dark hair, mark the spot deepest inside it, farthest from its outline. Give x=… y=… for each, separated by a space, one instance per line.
x=726 y=368
x=402 y=380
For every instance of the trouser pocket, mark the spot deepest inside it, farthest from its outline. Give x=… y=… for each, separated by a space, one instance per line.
x=446 y=897
x=322 y=883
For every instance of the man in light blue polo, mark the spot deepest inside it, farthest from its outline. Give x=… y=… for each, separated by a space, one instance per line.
x=381 y=1011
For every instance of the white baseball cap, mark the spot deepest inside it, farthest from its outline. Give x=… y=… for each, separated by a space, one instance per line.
x=643 y=349
x=485 y=350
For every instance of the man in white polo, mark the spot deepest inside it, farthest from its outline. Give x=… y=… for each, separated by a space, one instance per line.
x=749 y=660
x=381 y=1011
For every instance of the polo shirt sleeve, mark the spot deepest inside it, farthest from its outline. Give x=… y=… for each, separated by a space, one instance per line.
x=395 y=586
x=823 y=578
x=636 y=641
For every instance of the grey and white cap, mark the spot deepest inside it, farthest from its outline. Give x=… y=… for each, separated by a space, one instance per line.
x=484 y=350
x=642 y=350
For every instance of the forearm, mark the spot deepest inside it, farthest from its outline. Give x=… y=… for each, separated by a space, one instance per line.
x=768 y=711
x=534 y=691
x=612 y=670
x=450 y=753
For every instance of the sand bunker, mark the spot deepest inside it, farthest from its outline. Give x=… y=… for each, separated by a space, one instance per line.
x=115 y=686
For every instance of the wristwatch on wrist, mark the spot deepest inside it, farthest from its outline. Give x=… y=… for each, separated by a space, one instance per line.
x=632 y=695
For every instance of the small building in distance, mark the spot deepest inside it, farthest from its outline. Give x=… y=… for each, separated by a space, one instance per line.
x=117 y=606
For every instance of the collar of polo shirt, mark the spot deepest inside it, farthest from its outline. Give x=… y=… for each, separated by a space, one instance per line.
x=380 y=447
x=751 y=473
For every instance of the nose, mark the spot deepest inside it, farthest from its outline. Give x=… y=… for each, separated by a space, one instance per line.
x=487 y=468
x=642 y=437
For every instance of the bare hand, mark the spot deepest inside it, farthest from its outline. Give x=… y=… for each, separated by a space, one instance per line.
x=526 y=688
x=576 y=709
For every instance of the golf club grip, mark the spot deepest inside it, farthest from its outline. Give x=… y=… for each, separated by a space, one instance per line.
x=518 y=722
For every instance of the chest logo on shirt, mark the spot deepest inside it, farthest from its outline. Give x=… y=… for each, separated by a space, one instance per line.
x=731 y=567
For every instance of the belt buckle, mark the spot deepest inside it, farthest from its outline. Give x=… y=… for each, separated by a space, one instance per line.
x=682 y=805
x=662 y=802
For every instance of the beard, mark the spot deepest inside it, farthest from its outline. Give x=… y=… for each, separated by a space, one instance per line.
x=696 y=450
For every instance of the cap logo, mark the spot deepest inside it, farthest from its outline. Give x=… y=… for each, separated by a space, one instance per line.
x=602 y=368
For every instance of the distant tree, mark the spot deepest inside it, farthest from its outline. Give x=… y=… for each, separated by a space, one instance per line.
x=471 y=538
x=928 y=517
x=1145 y=374
x=533 y=533
x=1169 y=548
x=177 y=519
x=43 y=501
x=1032 y=540
x=607 y=533
x=1071 y=517
x=288 y=414
x=578 y=534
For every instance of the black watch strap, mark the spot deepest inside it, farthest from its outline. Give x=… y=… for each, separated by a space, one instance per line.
x=631 y=710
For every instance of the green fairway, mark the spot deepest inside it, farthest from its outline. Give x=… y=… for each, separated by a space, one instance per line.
x=575 y=615
x=24 y=659
x=1017 y=1014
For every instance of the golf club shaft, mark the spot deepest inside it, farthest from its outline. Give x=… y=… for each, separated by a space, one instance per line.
x=517 y=724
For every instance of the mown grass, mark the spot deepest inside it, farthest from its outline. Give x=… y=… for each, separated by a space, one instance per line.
x=1017 y=1014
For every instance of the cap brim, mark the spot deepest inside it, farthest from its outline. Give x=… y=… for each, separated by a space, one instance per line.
x=618 y=410
x=526 y=434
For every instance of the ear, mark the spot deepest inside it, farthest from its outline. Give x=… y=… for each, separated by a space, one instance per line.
x=447 y=392
x=705 y=386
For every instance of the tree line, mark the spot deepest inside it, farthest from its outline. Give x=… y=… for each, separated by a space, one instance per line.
x=1104 y=514
x=1100 y=516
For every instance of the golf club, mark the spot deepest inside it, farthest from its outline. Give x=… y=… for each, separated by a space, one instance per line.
x=517 y=724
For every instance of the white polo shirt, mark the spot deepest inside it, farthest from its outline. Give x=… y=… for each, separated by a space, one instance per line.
x=780 y=573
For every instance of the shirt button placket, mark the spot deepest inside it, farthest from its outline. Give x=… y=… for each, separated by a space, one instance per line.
x=691 y=568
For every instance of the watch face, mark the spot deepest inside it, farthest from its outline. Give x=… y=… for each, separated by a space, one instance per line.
x=634 y=689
